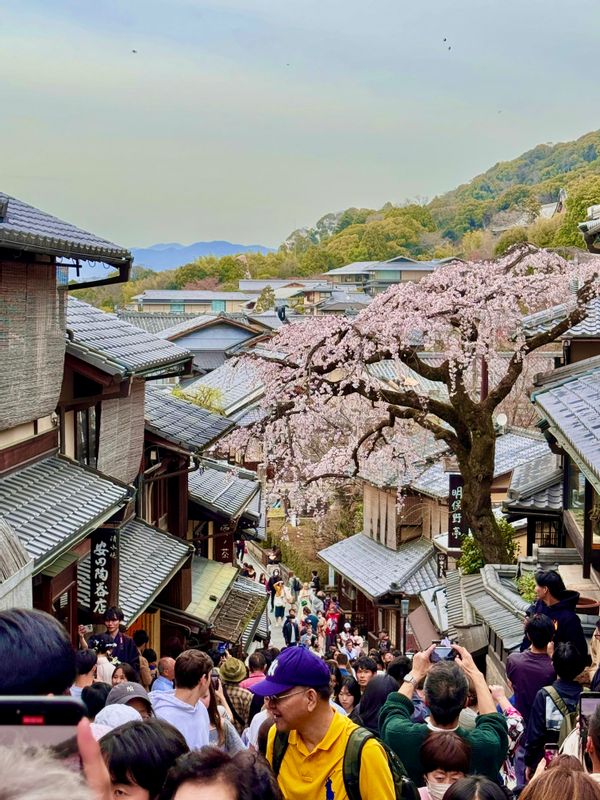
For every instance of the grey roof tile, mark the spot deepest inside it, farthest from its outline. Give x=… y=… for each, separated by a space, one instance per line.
x=156 y=321
x=512 y=449
x=536 y=486
x=28 y=228
x=223 y=489
x=54 y=503
x=237 y=383
x=118 y=347
x=181 y=422
x=372 y=567
x=542 y=321
x=148 y=559
x=572 y=409
x=190 y=296
x=243 y=605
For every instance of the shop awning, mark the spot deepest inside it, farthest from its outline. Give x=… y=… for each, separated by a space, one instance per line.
x=223 y=490
x=422 y=627
x=148 y=559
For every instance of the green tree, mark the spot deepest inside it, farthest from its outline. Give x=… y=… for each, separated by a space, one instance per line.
x=584 y=193
x=509 y=238
x=266 y=300
x=472 y=558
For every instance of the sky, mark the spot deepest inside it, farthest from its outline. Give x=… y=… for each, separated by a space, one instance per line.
x=246 y=119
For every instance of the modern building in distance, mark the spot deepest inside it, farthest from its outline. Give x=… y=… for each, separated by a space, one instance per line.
x=374 y=277
x=182 y=301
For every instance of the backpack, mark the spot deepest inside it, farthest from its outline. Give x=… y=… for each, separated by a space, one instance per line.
x=296 y=585
x=405 y=788
x=569 y=718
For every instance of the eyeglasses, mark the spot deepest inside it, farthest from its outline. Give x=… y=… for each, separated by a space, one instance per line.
x=275 y=699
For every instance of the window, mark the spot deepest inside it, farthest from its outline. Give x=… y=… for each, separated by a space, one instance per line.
x=217 y=305
x=546 y=533
x=87 y=433
x=177 y=308
x=576 y=493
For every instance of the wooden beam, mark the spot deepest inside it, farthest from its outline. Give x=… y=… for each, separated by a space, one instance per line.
x=31 y=449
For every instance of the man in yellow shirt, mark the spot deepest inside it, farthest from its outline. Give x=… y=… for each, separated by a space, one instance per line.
x=309 y=765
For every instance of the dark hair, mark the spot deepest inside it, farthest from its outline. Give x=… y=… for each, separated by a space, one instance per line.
x=190 y=667
x=335 y=671
x=446 y=689
x=130 y=674
x=351 y=684
x=447 y=751
x=563 y=761
x=540 y=630
x=476 y=787
x=37 y=655
x=262 y=737
x=213 y=713
x=257 y=662
x=372 y=700
x=150 y=655
x=247 y=773
x=342 y=659
x=140 y=637
x=594 y=730
x=114 y=612
x=567 y=661
x=141 y=753
x=399 y=668
x=552 y=581
x=364 y=662
x=101 y=642
x=85 y=661
x=94 y=698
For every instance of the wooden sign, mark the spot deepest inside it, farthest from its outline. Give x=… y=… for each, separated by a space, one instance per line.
x=104 y=571
x=457 y=526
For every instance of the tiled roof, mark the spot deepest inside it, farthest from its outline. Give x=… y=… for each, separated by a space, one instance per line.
x=536 y=486
x=118 y=347
x=257 y=286
x=200 y=321
x=181 y=422
x=542 y=321
x=372 y=567
x=210 y=582
x=189 y=296
x=237 y=382
x=157 y=321
x=512 y=449
x=339 y=301
x=256 y=629
x=148 y=559
x=500 y=608
x=243 y=604
x=52 y=504
x=27 y=228
x=572 y=408
x=356 y=268
x=398 y=373
x=219 y=489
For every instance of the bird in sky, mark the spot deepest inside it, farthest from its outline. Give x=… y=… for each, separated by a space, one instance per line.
x=134 y=51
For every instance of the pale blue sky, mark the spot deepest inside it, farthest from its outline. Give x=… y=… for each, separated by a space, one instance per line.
x=243 y=120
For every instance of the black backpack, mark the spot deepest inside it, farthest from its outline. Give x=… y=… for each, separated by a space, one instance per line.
x=405 y=788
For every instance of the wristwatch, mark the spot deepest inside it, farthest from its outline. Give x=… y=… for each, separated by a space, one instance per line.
x=410 y=678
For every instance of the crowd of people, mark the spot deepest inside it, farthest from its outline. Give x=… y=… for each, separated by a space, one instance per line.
x=342 y=724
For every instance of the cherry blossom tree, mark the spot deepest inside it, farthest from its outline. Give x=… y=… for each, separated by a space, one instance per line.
x=329 y=416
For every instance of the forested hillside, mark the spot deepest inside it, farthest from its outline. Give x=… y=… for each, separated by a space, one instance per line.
x=456 y=223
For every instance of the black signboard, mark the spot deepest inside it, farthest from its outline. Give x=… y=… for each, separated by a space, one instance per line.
x=457 y=526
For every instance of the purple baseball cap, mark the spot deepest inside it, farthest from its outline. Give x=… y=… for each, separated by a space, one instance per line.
x=294 y=666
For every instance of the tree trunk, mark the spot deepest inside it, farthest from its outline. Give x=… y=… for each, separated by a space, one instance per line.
x=477 y=469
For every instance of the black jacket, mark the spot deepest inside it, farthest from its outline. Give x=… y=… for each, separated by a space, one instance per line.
x=566 y=622
x=287 y=631
x=542 y=727
x=126 y=651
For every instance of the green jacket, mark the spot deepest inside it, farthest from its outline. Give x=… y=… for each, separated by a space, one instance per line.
x=488 y=740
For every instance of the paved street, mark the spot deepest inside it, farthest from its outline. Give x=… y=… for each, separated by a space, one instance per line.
x=276 y=634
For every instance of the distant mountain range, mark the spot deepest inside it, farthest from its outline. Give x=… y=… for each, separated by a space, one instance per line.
x=172 y=254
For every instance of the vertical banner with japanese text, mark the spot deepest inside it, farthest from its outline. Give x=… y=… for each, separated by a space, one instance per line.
x=104 y=570
x=457 y=526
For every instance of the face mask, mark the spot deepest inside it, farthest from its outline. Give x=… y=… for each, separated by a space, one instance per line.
x=437 y=790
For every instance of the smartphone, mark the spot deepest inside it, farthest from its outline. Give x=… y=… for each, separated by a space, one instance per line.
x=443 y=653
x=40 y=721
x=588 y=703
x=550 y=752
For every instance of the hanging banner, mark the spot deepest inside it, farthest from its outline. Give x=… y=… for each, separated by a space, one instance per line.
x=457 y=526
x=104 y=571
